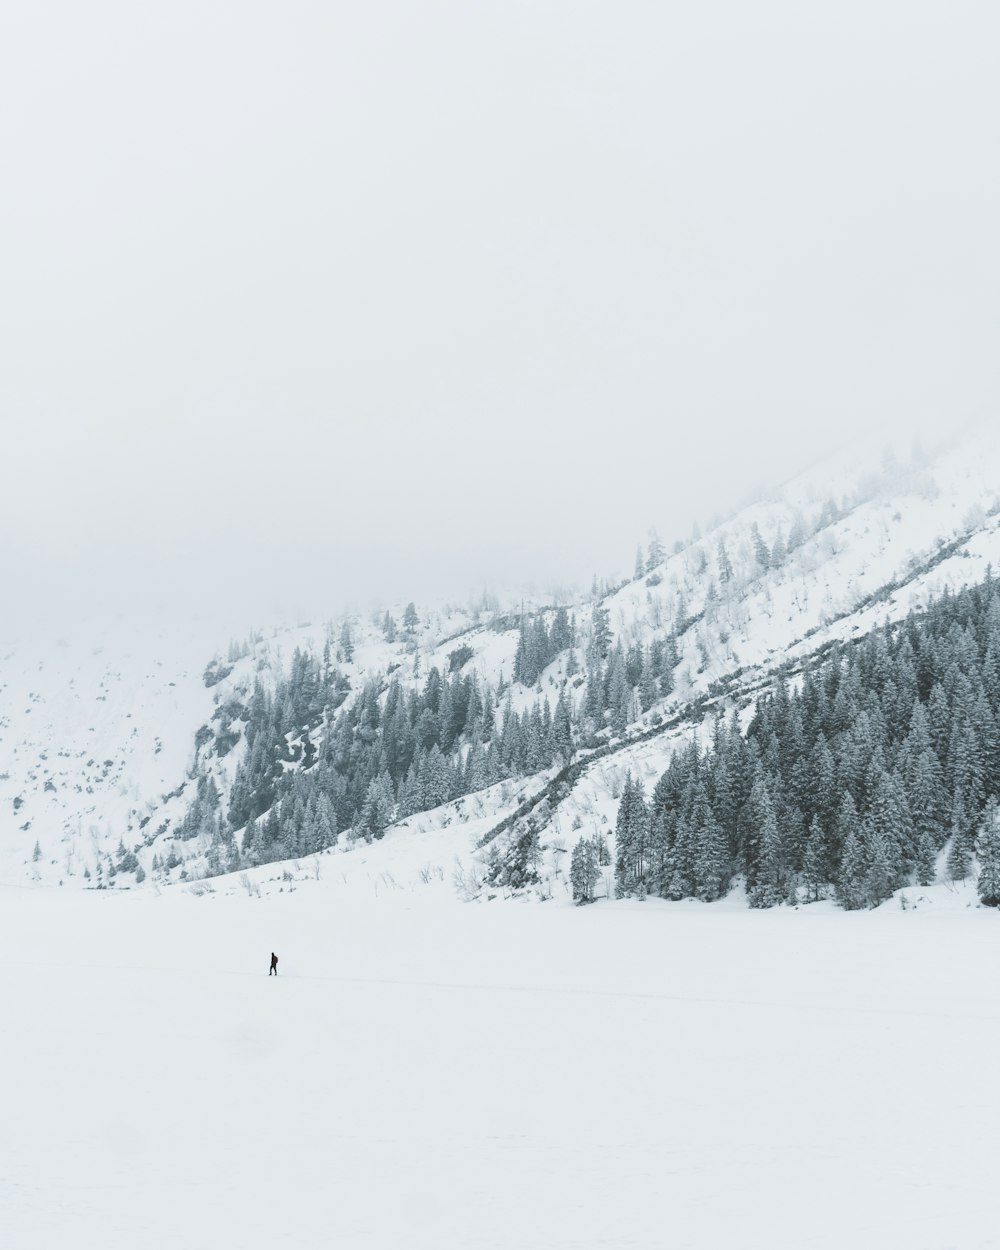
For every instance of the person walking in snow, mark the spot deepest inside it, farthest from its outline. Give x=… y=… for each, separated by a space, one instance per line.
x=274 y=964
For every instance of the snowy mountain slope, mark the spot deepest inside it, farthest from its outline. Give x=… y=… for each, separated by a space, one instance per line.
x=877 y=541
x=96 y=727
x=100 y=730
x=102 y=745
x=884 y=557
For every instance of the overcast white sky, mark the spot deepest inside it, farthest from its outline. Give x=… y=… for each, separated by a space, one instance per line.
x=304 y=302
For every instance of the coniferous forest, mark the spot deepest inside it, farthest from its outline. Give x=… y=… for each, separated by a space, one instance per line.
x=313 y=768
x=316 y=763
x=849 y=783
x=850 y=780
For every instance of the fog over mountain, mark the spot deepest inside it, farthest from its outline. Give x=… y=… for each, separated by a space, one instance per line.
x=313 y=304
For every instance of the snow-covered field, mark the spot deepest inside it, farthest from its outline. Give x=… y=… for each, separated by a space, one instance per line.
x=425 y=1073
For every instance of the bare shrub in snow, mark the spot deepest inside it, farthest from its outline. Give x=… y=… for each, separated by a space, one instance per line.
x=248 y=884
x=465 y=880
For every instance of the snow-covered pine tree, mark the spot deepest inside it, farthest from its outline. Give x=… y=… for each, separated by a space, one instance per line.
x=725 y=565
x=769 y=886
x=988 y=855
x=347 y=643
x=584 y=871
x=850 y=883
x=631 y=835
x=712 y=867
x=656 y=552
x=960 y=855
x=760 y=551
x=815 y=870
x=601 y=632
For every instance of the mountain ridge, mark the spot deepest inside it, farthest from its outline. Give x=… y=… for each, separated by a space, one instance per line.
x=829 y=557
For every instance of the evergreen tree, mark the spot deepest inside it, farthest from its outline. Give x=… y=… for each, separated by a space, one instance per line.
x=712 y=868
x=850 y=885
x=378 y=809
x=601 y=632
x=347 y=643
x=760 y=551
x=815 y=870
x=618 y=692
x=631 y=835
x=436 y=784
x=960 y=855
x=584 y=871
x=797 y=534
x=725 y=565
x=655 y=550
x=769 y=885
x=880 y=863
x=988 y=854
x=562 y=727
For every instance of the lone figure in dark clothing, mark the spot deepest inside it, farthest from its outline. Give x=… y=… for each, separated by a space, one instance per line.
x=274 y=964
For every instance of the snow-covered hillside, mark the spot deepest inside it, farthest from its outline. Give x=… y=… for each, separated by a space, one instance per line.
x=104 y=742
x=96 y=728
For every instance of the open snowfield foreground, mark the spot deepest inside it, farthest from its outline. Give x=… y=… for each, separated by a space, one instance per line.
x=424 y=1073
